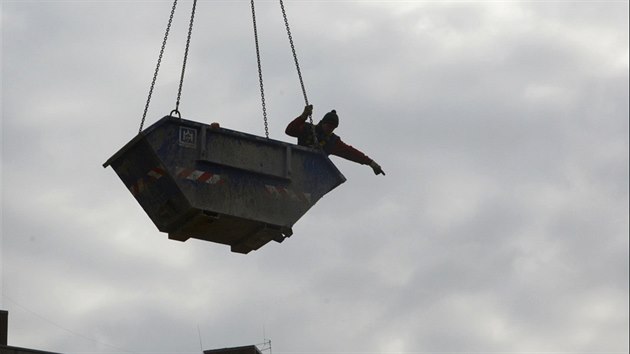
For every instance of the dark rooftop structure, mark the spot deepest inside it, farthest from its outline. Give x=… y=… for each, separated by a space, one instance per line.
x=249 y=349
x=6 y=349
x=4 y=334
x=4 y=327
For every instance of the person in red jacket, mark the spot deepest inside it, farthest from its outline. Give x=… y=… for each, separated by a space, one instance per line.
x=328 y=141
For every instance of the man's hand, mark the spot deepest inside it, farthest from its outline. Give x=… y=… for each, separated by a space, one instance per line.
x=376 y=168
x=308 y=110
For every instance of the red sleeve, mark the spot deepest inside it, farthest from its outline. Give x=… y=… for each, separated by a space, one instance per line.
x=296 y=127
x=346 y=151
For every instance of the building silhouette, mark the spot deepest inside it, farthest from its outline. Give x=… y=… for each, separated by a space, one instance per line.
x=4 y=334
x=5 y=348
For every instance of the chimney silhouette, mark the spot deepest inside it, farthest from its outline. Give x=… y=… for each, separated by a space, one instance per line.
x=4 y=327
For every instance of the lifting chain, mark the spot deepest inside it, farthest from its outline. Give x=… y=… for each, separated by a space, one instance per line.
x=262 y=91
x=157 y=67
x=181 y=80
x=297 y=66
x=260 y=77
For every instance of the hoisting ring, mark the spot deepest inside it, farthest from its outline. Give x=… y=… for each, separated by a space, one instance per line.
x=179 y=115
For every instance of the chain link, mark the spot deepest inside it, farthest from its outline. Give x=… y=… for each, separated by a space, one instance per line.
x=181 y=80
x=260 y=77
x=262 y=92
x=297 y=66
x=157 y=67
x=295 y=58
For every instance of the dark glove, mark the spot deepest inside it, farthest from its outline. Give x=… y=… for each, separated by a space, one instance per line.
x=308 y=110
x=377 y=169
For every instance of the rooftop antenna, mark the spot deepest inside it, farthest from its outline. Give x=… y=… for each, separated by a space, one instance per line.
x=265 y=346
x=200 y=342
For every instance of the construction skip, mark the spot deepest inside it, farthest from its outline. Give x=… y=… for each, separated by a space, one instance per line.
x=199 y=181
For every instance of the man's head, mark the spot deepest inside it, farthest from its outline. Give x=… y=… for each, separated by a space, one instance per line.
x=329 y=122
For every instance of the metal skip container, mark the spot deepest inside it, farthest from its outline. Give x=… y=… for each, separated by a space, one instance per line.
x=220 y=185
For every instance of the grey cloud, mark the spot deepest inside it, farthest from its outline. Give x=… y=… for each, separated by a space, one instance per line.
x=501 y=224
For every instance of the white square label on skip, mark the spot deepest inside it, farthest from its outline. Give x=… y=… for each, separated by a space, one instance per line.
x=187 y=137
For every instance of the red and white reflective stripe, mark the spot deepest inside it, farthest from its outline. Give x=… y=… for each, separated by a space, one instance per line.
x=141 y=184
x=199 y=176
x=135 y=188
x=281 y=192
x=156 y=173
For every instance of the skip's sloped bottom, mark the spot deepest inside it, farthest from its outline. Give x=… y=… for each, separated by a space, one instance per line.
x=242 y=235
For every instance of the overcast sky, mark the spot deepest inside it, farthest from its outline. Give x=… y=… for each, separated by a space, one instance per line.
x=501 y=225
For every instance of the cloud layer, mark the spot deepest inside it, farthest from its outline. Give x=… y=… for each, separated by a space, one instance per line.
x=501 y=226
